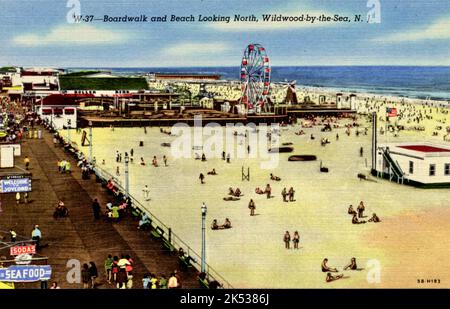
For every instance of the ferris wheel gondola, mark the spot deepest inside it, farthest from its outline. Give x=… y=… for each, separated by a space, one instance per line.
x=255 y=78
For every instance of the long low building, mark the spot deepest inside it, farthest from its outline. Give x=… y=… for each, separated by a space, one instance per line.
x=425 y=165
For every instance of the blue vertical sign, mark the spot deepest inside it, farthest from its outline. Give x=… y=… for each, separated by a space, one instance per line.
x=28 y=273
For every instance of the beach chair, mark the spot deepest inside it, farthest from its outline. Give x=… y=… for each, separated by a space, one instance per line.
x=204 y=284
x=157 y=232
x=185 y=262
x=168 y=246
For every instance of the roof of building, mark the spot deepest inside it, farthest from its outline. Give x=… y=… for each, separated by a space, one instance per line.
x=424 y=148
x=64 y=100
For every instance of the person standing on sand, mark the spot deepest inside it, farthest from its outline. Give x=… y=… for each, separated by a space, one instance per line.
x=361 y=209
x=165 y=160
x=268 y=191
x=291 y=194
x=284 y=194
x=146 y=191
x=296 y=239
x=287 y=240
x=252 y=207
x=201 y=177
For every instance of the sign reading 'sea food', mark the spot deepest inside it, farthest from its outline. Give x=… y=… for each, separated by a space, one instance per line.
x=28 y=273
x=13 y=184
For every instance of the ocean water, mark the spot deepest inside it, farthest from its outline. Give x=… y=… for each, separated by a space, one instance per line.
x=404 y=81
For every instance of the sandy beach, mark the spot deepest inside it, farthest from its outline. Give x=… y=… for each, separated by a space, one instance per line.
x=409 y=243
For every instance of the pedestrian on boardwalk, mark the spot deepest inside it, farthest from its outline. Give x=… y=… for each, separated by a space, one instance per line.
x=115 y=268
x=129 y=270
x=36 y=235
x=108 y=268
x=93 y=273
x=27 y=163
x=13 y=235
x=163 y=282
x=146 y=281
x=287 y=240
x=122 y=276
x=173 y=281
x=85 y=276
x=18 y=198
x=252 y=207
x=96 y=209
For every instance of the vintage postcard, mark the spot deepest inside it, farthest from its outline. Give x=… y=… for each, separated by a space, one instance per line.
x=201 y=144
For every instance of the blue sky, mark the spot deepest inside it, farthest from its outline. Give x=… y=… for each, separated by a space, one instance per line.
x=36 y=32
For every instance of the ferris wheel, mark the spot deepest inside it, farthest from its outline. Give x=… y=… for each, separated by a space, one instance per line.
x=255 y=78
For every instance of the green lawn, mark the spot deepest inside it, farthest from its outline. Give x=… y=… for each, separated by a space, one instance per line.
x=102 y=83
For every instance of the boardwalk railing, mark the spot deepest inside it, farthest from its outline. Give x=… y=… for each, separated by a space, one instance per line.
x=171 y=237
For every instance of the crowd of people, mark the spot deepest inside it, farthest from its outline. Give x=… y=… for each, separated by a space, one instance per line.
x=358 y=214
x=329 y=270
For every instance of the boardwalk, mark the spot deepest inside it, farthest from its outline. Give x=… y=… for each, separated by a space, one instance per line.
x=79 y=236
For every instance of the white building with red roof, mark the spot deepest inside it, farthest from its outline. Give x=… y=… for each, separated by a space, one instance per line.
x=415 y=163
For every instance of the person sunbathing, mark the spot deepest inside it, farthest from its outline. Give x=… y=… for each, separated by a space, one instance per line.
x=374 y=218
x=231 y=198
x=230 y=191
x=355 y=220
x=273 y=177
x=237 y=192
x=326 y=268
x=214 y=225
x=213 y=172
x=331 y=278
x=227 y=224
x=351 y=211
x=259 y=191
x=352 y=265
